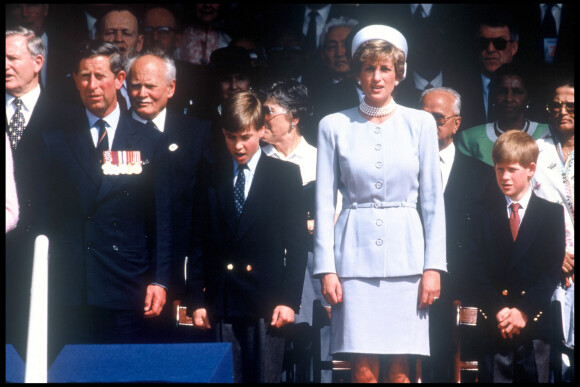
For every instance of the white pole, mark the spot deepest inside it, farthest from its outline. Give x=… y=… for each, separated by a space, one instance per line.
x=37 y=348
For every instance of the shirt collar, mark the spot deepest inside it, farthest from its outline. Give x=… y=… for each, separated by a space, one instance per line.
x=323 y=11
x=421 y=83
x=112 y=119
x=252 y=164
x=426 y=8
x=28 y=100
x=447 y=155
x=159 y=120
x=270 y=150
x=524 y=201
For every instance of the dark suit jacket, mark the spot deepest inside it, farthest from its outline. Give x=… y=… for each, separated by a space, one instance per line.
x=522 y=274
x=187 y=142
x=110 y=235
x=265 y=247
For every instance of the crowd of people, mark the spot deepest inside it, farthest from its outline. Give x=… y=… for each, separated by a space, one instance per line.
x=246 y=160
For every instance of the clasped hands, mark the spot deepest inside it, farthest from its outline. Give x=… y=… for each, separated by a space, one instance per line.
x=511 y=321
x=281 y=316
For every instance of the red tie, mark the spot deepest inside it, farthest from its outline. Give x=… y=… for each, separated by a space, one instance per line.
x=514 y=219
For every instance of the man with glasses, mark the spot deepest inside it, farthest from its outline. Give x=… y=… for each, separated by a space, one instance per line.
x=497 y=41
x=161 y=30
x=466 y=182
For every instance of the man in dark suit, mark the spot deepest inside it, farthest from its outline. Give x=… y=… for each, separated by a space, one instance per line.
x=496 y=43
x=187 y=142
x=247 y=281
x=29 y=111
x=107 y=213
x=513 y=267
x=466 y=182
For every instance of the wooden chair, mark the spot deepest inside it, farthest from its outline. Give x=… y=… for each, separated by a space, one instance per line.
x=465 y=316
x=340 y=365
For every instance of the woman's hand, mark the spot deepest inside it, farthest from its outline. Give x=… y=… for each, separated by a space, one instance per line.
x=429 y=288
x=331 y=288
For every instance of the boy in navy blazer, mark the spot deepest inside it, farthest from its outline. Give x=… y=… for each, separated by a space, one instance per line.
x=246 y=280
x=513 y=267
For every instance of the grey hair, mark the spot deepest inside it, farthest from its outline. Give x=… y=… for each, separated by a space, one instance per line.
x=170 y=69
x=456 y=103
x=34 y=43
x=341 y=21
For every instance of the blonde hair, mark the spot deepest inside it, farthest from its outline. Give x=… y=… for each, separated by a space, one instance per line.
x=375 y=50
x=241 y=111
x=515 y=146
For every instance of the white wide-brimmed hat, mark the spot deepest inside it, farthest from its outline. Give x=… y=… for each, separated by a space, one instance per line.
x=386 y=33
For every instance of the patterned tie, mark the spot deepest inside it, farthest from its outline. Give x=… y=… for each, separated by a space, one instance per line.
x=515 y=220
x=239 y=197
x=103 y=139
x=16 y=127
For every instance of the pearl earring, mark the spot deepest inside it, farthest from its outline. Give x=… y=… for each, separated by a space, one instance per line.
x=358 y=82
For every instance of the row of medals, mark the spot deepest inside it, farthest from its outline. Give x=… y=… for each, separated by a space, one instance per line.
x=122 y=163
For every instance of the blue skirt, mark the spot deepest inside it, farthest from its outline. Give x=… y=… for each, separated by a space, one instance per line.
x=380 y=316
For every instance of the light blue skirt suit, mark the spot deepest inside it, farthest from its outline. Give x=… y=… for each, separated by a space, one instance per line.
x=380 y=244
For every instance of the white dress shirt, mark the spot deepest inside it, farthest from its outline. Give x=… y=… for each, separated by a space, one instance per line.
x=29 y=101
x=523 y=202
x=304 y=156
x=320 y=20
x=248 y=172
x=446 y=158
x=421 y=83
x=111 y=121
x=485 y=81
x=159 y=120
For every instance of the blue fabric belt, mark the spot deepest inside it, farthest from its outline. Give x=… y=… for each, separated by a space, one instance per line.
x=380 y=205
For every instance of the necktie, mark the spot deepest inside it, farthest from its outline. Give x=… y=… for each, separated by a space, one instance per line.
x=514 y=220
x=239 y=197
x=429 y=86
x=16 y=127
x=549 y=24
x=103 y=139
x=418 y=14
x=122 y=101
x=311 y=33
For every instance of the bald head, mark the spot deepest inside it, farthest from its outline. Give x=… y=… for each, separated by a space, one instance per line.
x=444 y=104
x=121 y=27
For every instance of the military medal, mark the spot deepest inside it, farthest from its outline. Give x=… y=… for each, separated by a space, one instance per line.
x=122 y=162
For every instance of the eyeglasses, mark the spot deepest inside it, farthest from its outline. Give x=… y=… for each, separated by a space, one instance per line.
x=271 y=114
x=160 y=30
x=442 y=120
x=499 y=43
x=556 y=107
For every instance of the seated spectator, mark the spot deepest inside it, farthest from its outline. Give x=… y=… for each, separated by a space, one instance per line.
x=511 y=102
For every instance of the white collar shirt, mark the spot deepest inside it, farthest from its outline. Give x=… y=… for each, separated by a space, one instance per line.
x=29 y=101
x=159 y=120
x=426 y=9
x=556 y=13
x=249 y=172
x=523 y=202
x=111 y=121
x=304 y=156
x=446 y=158
x=421 y=83
x=323 y=13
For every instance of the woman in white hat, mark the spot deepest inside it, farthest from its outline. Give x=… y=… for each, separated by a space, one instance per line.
x=380 y=264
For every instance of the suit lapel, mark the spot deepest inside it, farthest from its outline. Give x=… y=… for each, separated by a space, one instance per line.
x=225 y=193
x=255 y=195
x=83 y=149
x=527 y=232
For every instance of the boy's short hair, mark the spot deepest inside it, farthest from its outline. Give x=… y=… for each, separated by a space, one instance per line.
x=515 y=146
x=241 y=111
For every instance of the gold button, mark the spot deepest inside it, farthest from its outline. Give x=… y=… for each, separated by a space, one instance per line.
x=230 y=266
x=540 y=313
x=504 y=292
x=249 y=268
x=523 y=293
x=535 y=319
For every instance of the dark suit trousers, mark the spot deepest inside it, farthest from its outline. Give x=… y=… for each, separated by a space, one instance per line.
x=527 y=363
x=258 y=349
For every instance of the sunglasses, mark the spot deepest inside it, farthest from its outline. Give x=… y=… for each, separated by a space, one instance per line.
x=160 y=30
x=554 y=107
x=442 y=120
x=271 y=114
x=499 y=43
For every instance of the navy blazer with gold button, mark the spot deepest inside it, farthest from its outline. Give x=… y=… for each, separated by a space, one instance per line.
x=523 y=273
x=110 y=235
x=250 y=265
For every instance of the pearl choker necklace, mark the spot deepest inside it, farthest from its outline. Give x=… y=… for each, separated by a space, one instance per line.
x=378 y=112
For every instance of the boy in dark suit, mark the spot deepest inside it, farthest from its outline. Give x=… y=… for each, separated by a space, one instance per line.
x=246 y=280
x=513 y=268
